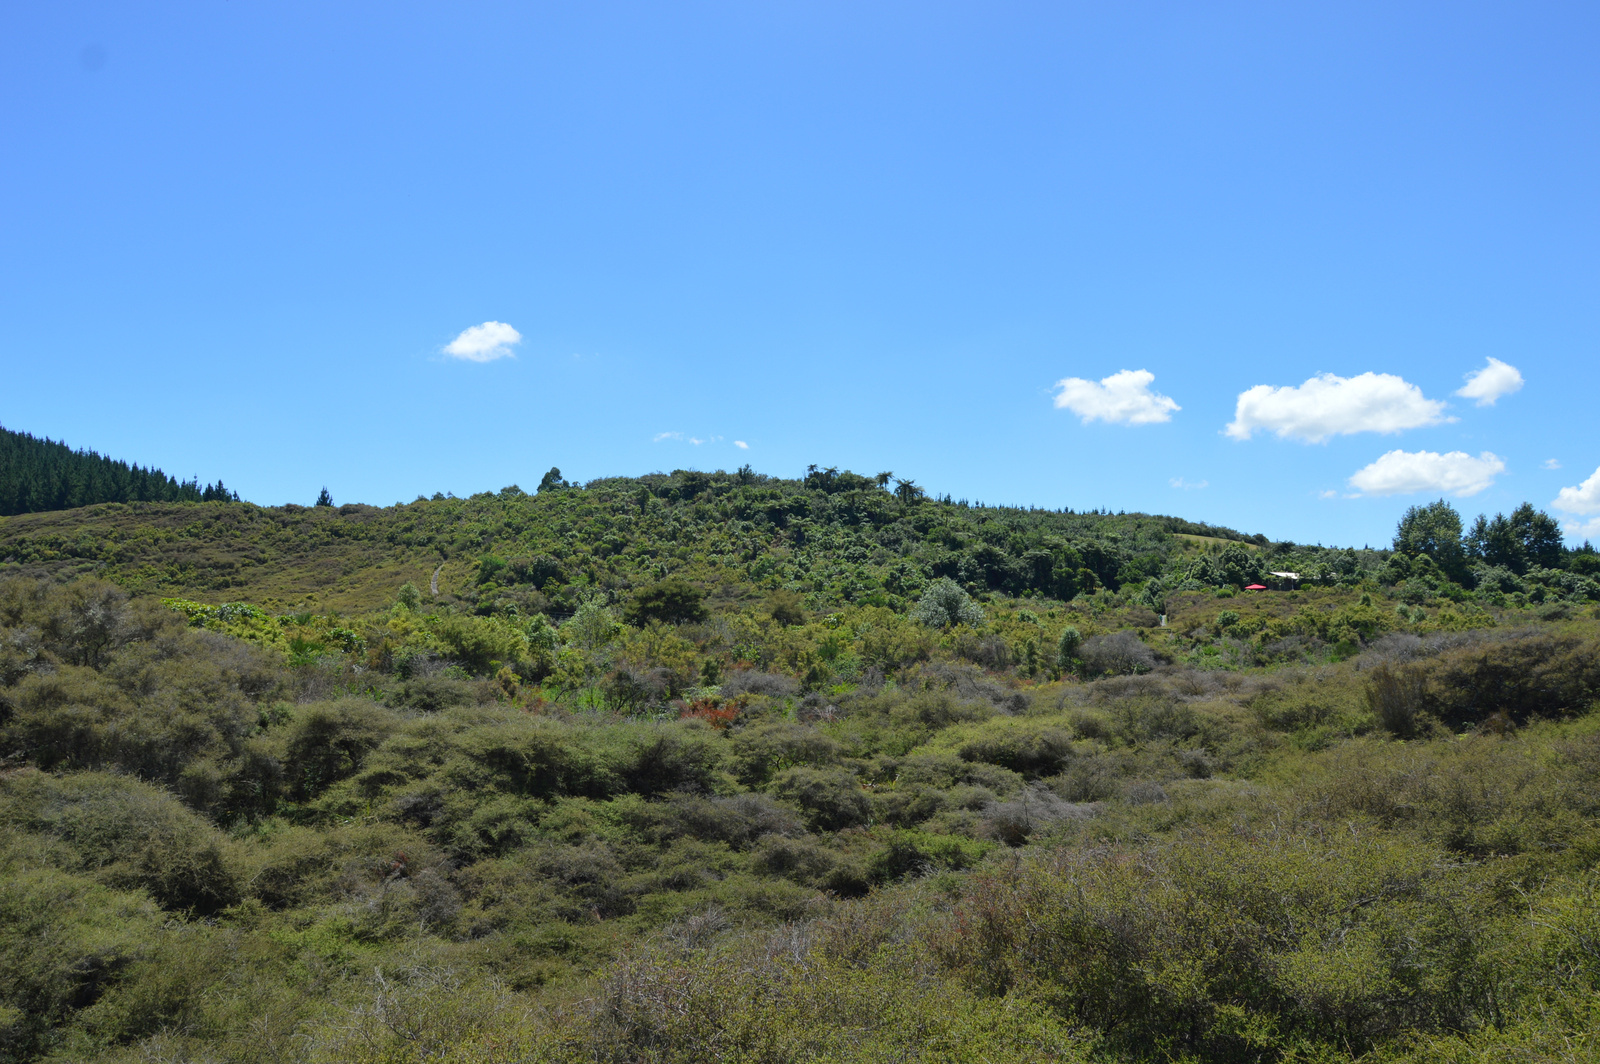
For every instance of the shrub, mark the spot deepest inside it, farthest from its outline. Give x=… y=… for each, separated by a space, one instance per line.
x=752 y=681
x=1067 y=648
x=1541 y=675
x=541 y=758
x=1028 y=747
x=671 y=757
x=1232 y=945
x=944 y=604
x=760 y=750
x=478 y=643
x=738 y=820
x=1117 y=654
x=831 y=799
x=432 y=694
x=805 y=861
x=671 y=601
x=1395 y=695
x=127 y=834
x=786 y=607
x=1035 y=808
x=327 y=742
x=64 y=942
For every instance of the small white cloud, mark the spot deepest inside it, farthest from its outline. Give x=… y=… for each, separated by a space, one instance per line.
x=1583 y=499
x=1123 y=397
x=681 y=438
x=1402 y=472
x=1328 y=405
x=484 y=343
x=1329 y=494
x=1583 y=529
x=1551 y=463
x=1188 y=485
x=741 y=445
x=1491 y=382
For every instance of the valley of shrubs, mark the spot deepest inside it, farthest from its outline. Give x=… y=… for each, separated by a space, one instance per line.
x=784 y=803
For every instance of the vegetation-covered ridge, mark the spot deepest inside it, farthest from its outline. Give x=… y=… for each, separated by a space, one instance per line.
x=39 y=475
x=834 y=538
x=713 y=767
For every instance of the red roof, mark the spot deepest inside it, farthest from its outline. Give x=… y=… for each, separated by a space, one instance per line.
x=1256 y=587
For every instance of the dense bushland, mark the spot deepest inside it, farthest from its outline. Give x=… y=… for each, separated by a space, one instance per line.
x=232 y=850
x=641 y=783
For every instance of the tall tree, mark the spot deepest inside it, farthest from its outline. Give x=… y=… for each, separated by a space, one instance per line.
x=1529 y=538
x=1434 y=530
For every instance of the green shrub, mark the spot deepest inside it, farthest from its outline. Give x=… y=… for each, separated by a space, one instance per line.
x=768 y=747
x=1234 y=945
x=907 y=852
x=657 y=759
x=539 y=758
x=831 y=799
x=64 y=941
x=480 y=644
x=127 y=834
x=1540 y=675
x=328 y=741
x=670 y=601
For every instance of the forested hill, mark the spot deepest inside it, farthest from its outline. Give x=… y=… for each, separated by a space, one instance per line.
x=836 y=539
x=38 y=475
x=839 y=538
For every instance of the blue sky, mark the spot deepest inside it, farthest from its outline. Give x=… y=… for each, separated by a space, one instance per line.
x=240 y=238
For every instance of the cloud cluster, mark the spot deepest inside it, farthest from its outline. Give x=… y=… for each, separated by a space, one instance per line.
x=1453 y=473
x=1188 y=485
x=484 y=343
x=1583 y=499
x=1491 y=382
x=1123 y=398
x=1329 y=405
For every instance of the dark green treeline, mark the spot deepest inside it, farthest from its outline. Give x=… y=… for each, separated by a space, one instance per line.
x=41 y=474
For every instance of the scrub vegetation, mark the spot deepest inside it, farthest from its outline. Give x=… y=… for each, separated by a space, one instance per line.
x=716 y=766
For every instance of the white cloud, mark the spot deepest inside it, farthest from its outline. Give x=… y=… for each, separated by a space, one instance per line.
x=1583 y=529
x=1327 y=405
x=484 y=343
x=1123 y=397
x=1402 y=472
x=681 y=438
x=1188 y=485
x=1491 y=382
x=741 y=445
x=1329 y=494
x=1583 y=499
x=1552 y=463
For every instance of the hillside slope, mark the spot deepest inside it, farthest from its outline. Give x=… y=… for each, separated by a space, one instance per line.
x=839 y=537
